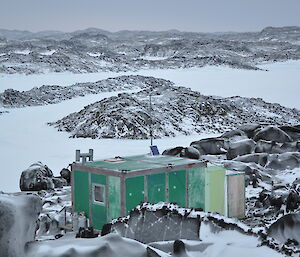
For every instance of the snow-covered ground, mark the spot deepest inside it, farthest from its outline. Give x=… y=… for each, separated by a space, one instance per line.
x=25 y=137
x=280 y=84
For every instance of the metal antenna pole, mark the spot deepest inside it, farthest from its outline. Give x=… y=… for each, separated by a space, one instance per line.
x=150 y=114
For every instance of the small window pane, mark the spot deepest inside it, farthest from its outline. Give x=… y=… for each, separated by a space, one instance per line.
x=99 y=194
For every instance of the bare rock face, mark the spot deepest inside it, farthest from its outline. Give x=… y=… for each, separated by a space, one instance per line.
x=18 y=222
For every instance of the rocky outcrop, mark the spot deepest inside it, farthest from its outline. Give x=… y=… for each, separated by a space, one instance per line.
x=39 y=177
x=94 y=50
x=18 y=223
x=175 y=111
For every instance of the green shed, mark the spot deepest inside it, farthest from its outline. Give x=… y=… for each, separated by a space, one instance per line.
x=110 y=188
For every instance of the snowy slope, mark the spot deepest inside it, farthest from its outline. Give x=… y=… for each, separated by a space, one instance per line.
x=280 y=84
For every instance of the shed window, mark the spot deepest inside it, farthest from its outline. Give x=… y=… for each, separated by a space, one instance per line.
x=99 y=194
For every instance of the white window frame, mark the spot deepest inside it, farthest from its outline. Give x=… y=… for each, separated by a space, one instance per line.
x=104 y=193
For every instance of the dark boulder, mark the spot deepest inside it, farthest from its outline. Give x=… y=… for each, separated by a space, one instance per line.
x=283 y=161
x=258 y=158
x=249 y=129
x=292 y=131
x=37 y=177
x=292 y=201
x=272 y=133
x=59 y=182
x=263 y=146
x=190 y=152
x=240 y=148
x=173 y=151
x=212 y=146
x=66 y=174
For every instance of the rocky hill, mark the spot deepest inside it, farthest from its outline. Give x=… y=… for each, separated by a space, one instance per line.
x=51 y=94
x=175 y=111
x=94 y=50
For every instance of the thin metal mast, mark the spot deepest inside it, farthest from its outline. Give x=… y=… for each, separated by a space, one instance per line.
x=150 y=114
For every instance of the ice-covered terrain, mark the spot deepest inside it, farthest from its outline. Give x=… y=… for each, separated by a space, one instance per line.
x=261 y=64
x=95 y=50
x=280 y=84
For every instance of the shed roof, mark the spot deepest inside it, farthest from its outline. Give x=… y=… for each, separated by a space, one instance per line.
x=140 y=162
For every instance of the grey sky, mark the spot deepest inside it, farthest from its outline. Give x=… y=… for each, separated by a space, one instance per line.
x=113 y=15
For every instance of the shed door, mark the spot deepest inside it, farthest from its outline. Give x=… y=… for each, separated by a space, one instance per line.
x=134 y=192
x=177 y=187
x=156 y=187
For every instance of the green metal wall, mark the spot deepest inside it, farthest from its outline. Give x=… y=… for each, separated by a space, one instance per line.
x=114 y=189
x=134 y=192
x=196 y=190
x=215 y=189
x=99 y=211
x=81 y=192
x=156 y=187
x=177 y=187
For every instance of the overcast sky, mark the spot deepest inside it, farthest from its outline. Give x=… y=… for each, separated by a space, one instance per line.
x=114 y=15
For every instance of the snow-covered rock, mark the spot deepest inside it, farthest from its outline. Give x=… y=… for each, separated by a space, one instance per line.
x=175 y=111
x=94 y=50
x=18 y=223
x=39 y=177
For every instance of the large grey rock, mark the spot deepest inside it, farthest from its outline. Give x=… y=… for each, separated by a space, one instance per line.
x=287 y=227
x=283 y=161
x=173 y=151
x=210 y=146
x=37 y=177
x=249 y=129
x=258 y=158
x=292 y=131
x=147 y=225
x=272 y=133
x=190 y=152
x=263 y=146
x=240 y=148
x=18 y=223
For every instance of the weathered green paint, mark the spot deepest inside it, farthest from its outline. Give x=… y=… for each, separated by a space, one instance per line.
x=99 y=211
x=177 y=187
x=81 y=192
x=156 y=187
x=215 y=189
x=197 y=187
x=114 y=189
x=134 y=192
